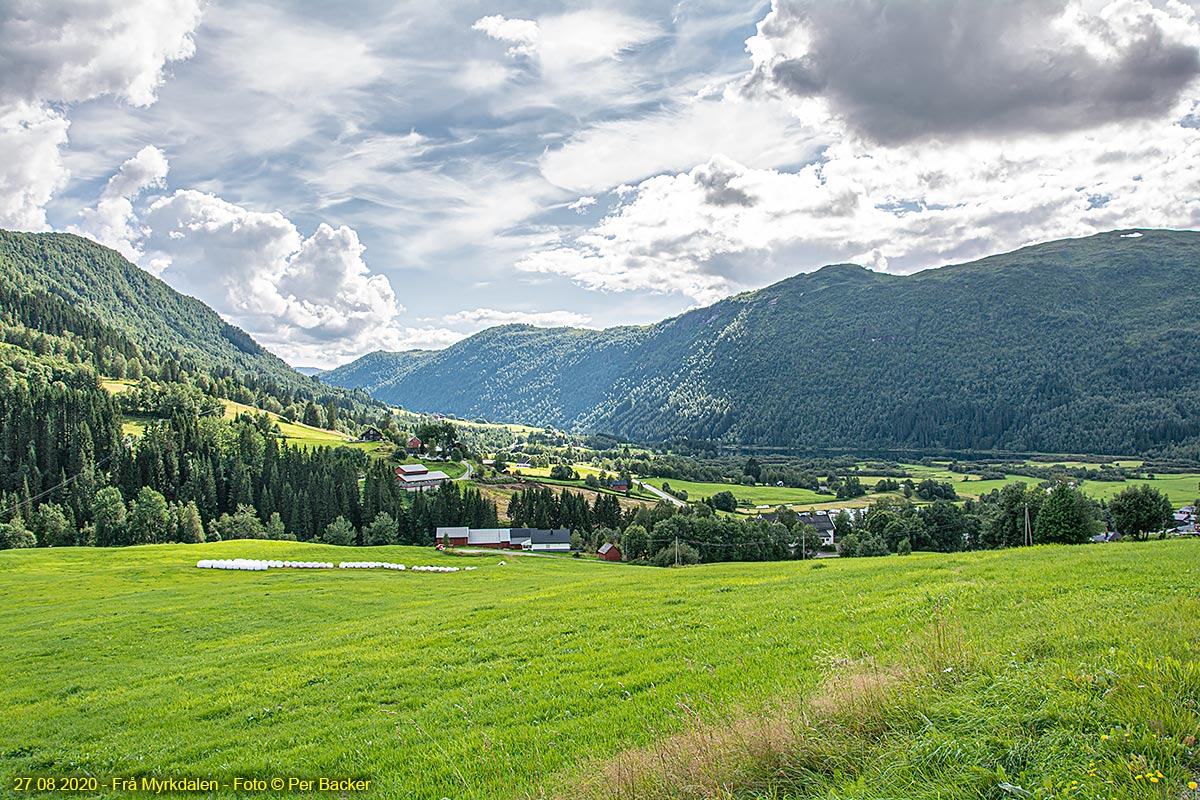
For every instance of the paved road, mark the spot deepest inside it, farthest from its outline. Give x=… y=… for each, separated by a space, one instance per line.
x=466 y=474
x=660 y=493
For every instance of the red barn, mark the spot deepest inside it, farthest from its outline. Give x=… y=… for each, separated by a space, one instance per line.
x=609 y=552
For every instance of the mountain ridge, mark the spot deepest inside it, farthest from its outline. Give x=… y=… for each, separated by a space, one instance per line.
x=1114 y=372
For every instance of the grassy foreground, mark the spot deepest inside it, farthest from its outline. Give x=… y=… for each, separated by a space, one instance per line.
x=1053 y=672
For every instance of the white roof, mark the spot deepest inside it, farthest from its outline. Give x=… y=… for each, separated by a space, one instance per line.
x=424 y=476
x=413 y=469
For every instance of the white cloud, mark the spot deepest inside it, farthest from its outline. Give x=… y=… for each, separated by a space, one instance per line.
x=522 y=33
x=582 y=204
x=313 y=300
x=112 y=221
x=75 y=51
x=481 y=318
x=761 y=134
x=31 y=170
x=724 y=226
x=426 y=338
x=296 y=62
x=589 y=36
x=55 y=54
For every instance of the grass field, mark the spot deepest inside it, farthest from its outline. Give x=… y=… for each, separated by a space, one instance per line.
x=1055 y=672
x=757 y=495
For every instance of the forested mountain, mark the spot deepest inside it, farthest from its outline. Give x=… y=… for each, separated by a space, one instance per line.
x=73 y=314
x=55 y=282
x=1086 y=346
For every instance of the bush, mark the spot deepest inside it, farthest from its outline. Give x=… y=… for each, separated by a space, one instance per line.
x=683 y=554
x=562 y=472
x=242 y=524
x=724 y=501
x=339 y=532
x=14 y=536
x=383 y=530
x=904 y=548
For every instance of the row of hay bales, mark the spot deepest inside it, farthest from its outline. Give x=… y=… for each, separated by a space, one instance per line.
x=260 y=565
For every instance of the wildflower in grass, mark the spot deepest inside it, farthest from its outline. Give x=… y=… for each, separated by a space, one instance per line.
x=1193 y=785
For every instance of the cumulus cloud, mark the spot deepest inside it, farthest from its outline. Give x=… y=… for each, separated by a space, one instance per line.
x=582 y=204
x=112 y=221
x=57 y=54
x=900 y=71
x=76 y=51
x=31 y=138
x=313 y=300
x=521 y=33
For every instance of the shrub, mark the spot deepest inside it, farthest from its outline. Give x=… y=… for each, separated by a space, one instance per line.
x=683 y=554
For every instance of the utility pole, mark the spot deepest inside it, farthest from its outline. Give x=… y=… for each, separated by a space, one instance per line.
x=1028 y=528
x=677 y=551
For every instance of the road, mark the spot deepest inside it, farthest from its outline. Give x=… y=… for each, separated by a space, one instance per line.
x=466 y=474
x=654 y=490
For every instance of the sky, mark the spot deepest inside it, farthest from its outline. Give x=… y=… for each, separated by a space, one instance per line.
x=338 y=178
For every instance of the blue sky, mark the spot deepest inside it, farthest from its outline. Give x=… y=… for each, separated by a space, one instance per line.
x=340 y=178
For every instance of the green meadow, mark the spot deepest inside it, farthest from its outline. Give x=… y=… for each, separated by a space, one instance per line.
x=1048 y=672
x=757 y=495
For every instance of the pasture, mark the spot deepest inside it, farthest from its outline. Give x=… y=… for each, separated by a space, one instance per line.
x=1066 y=672
x=757 y=495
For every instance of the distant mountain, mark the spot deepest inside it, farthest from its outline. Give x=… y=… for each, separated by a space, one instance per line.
x=40 y=270
x=1077 y=346
x=309 y=371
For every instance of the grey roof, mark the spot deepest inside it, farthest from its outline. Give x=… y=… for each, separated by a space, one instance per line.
x=821 y=522
x=604 y=548
x=558 y=536
x=520 y=534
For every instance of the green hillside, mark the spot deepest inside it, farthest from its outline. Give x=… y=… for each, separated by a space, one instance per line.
x=1085 y=346
x=57 y=281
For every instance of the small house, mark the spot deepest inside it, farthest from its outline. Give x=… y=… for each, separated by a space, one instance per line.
x=822 y=523
x=555 y=541
x=609 y=552
x=619 y=485
x=413 y=445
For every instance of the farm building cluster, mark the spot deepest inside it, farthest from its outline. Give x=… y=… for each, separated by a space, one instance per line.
x=535 y=539
x=418 y=476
